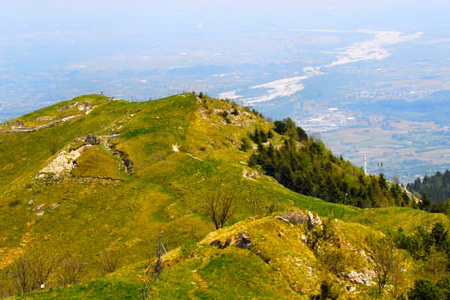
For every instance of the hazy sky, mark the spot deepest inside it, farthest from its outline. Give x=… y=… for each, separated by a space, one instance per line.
x=48 y=34
x=41 y=41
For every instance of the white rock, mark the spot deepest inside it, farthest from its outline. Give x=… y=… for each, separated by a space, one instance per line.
x=62 y=164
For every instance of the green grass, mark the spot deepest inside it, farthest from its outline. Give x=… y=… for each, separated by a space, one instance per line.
x=85 y=214
x=98 y=163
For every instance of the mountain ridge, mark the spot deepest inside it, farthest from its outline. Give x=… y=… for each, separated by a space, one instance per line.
x=179 y=150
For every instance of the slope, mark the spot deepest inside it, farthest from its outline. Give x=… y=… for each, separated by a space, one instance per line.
x=95 y=177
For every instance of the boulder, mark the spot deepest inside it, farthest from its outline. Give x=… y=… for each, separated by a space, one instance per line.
x=243 y=241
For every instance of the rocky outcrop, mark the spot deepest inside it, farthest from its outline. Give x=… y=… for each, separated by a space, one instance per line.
x=129 y=165
x=243 y=241
x=92 y=140
x=62 y=164
x=361 y=278
x=313 y=220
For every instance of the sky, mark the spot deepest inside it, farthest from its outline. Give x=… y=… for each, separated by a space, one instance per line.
x=310 y=60
x=41 y=41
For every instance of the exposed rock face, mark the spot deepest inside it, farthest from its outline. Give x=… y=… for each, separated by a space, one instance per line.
x=129 y=165
x=243 y=241
x=361 y=278
x=62 y=164
x=313 y=220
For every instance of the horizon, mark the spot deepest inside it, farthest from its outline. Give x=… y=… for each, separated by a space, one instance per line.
x=328 y=64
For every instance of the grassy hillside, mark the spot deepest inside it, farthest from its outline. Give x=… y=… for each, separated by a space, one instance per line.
x=149 y=168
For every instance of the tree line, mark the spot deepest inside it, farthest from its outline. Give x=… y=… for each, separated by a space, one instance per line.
x=436 y=186
x=304 y=165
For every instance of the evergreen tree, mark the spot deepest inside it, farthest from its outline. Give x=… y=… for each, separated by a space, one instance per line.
x=424 y=290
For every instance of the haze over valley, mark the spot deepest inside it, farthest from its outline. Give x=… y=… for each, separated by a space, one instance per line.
x=362 y=77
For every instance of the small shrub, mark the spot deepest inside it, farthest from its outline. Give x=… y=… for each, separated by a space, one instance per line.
x=335 y=261
x=32 y=270
x=329 y=290
x=329 y=230
x=109 y=261
x=14 y=203
x=188 y=249
x=71 y=271
x=53 y=147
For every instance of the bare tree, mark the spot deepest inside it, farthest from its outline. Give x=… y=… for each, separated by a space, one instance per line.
x=385 y=260
x=32 y=270
x=220 y=206
x=109 y=261
x=71 y=271
x=153 y=272
x=21 y=274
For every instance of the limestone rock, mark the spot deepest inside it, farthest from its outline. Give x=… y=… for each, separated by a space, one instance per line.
x=361 y=278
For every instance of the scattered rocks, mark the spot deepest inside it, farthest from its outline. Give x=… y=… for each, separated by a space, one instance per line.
x=69 y=118
x=44 y=118
x=175 y=148
x=243 y=241
x=67 y=107
x=84 y=106
x=280 y=234
x=39 y=206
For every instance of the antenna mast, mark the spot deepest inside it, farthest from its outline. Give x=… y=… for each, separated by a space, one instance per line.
x=365 y=164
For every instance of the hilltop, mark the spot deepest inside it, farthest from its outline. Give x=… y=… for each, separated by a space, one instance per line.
x=97 y=180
